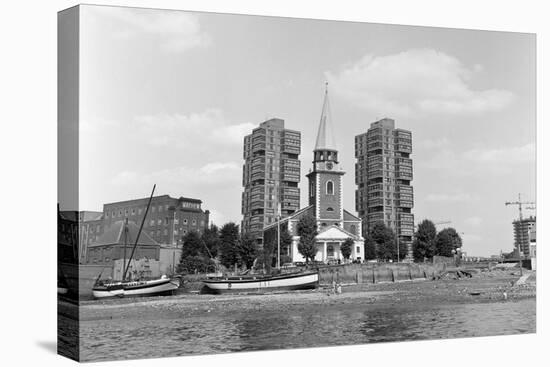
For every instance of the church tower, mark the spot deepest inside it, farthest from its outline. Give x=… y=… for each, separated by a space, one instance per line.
x=334 y=224
x=325 y=179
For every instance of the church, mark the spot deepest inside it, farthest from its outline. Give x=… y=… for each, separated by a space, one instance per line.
x=334 y=224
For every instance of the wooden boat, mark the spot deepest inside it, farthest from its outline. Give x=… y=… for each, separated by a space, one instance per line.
x=135 y=288
x=263 y=283
x=144 y=288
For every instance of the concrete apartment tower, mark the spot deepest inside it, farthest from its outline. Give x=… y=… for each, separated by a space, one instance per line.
x=271 y=173
x=383 y=175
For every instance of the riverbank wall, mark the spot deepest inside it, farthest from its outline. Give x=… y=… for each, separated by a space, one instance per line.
x=378 y=272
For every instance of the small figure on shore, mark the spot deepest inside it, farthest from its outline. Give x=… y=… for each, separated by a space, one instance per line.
x=339 y=289
x=334 y=287
x=505 y=295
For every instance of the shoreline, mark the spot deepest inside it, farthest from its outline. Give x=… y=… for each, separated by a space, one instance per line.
x=499 y=288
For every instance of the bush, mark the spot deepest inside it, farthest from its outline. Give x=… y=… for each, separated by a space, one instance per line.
x=196 y=264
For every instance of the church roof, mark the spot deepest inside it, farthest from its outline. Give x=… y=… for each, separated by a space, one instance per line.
x=335 y=233
x=348 y=216
x=325 y=134
x=294 y=216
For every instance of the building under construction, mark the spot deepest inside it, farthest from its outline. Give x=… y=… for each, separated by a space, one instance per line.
x=523 y=229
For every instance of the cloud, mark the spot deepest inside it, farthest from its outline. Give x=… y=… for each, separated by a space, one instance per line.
x=214 y=183
x=469 y=238
x=473 y=221
x=478 y=162
x=417 y=81
x=175 y=31
x=437 y=143
x=210 y=127
x=210 y=174
x=208 y=134
x=195 y=155
x=518 y=154
x=448 y=197
x=219 y=167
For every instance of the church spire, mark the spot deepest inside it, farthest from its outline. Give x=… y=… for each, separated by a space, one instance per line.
x=325 y=135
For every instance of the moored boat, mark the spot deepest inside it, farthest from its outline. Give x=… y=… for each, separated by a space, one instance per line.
x=143 y=288
x=263 y=283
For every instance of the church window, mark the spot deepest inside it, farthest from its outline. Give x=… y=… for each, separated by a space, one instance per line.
x=330 y=188
x=330 y=209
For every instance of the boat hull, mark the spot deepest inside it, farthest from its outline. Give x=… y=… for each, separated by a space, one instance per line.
x=136 y=289
x=264 y=284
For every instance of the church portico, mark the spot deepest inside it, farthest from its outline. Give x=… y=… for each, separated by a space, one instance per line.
x=329 y=243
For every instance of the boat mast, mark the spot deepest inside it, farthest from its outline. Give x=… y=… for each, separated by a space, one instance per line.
x=139 y=232
x=125 y=243
x=279 y=237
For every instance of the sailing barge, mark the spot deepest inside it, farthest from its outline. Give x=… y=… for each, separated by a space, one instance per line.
x=263 y=283
x=135 y=288
x=144 y=288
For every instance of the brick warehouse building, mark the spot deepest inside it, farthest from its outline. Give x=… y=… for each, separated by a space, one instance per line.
x=383 y=175
x=168 y=220
x=271 y=174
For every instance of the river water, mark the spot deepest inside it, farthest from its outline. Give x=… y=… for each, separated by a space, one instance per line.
x=329 y=326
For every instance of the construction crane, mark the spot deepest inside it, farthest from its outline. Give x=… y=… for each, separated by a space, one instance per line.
x=520 y=203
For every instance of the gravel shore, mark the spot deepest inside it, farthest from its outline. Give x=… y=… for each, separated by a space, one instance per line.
x=490 y=287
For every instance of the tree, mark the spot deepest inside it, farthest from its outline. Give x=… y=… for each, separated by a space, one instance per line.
x=211 y=239
x=424 y=240
x=247 y=250
x=307 y=230
x=384 y=239
x=370 y=248
x=192 y=245
x=193 y=255
x=286 y=241
x=267 y=256
x=229 y=240
x=446 y=241
x=346 y=248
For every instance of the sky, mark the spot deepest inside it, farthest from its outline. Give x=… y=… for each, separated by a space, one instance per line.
x=167 y=97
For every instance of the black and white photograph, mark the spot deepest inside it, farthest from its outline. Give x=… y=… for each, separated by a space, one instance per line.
x=235 y=183
x=243 y=183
